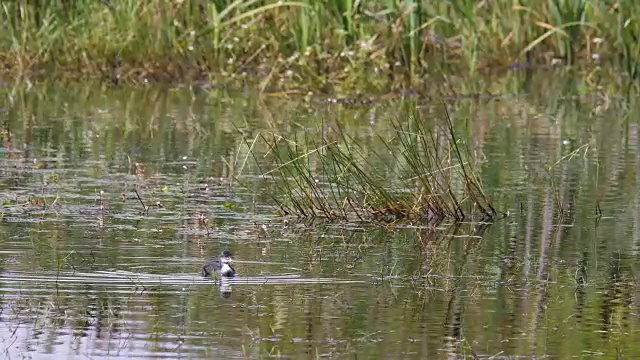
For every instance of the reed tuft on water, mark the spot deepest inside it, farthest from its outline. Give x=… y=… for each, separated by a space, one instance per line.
x=425 y=175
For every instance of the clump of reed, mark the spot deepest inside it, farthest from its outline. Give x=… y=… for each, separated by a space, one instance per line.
x=310 y=41
x=425 y=175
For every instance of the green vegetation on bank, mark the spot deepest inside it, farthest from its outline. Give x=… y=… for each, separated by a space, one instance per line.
x=310 y=42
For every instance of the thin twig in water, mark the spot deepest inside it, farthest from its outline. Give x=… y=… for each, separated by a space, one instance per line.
x=102 y=208
x=145 y=207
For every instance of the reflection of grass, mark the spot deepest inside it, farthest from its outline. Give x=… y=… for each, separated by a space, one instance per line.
x=427 y=177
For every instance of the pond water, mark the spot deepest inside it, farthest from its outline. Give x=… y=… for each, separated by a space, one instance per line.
x=88 y=271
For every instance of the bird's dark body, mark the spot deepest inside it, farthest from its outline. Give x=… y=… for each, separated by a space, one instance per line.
x=219 y=267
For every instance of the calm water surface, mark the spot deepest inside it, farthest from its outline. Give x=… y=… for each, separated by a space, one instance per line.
x=87 y=273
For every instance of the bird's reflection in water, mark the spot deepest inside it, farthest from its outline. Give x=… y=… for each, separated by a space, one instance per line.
x=225 y=287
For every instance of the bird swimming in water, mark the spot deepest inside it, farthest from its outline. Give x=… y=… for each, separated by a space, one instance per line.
x=219 y=267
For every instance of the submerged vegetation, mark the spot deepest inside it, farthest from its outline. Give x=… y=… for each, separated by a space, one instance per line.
x=317 y=44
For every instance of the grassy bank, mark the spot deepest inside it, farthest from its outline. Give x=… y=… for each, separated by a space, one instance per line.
x=311 y=43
